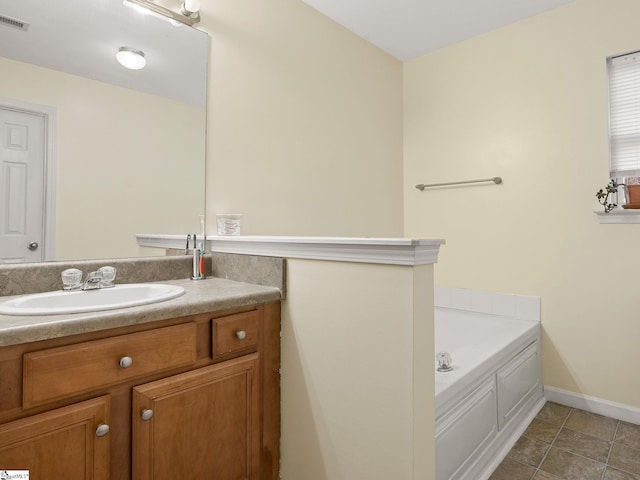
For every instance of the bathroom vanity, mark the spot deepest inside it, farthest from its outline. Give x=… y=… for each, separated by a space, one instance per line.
x=188 y=388
x=378 y=291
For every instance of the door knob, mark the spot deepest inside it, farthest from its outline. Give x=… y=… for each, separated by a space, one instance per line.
x=33 y=246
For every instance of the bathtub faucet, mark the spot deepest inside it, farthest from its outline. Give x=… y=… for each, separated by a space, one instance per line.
x=444 y=361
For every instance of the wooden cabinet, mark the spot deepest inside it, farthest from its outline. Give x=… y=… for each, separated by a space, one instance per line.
x=201 y=424
x=189 y=397
x=70 y=442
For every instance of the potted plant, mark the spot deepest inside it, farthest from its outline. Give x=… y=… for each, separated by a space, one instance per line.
x=604 y=193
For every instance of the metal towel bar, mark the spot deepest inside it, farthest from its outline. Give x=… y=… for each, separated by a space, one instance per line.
x=496 y=180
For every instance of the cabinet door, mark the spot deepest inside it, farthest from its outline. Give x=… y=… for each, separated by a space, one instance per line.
x=62 y=443
x=204 y=424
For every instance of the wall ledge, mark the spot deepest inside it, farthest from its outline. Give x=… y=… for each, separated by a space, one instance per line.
x=619 y=216
x=379 y=250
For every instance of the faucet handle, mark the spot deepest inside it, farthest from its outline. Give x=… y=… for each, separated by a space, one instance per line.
x=71 y=279
x=108 y=276
x=444 y=362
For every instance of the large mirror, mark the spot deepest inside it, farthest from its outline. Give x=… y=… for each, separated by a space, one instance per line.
x=122 y=151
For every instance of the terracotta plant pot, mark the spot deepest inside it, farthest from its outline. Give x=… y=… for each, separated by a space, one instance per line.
x=634 y=194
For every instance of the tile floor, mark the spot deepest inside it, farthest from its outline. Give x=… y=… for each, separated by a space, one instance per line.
x=564 y=443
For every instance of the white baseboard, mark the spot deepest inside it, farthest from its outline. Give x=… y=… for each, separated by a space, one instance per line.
x=618 y=411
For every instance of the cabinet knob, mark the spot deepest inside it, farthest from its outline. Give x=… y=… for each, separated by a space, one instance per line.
x=102 y=430
x=146 y=414
x=126 y=362
x=241 y=334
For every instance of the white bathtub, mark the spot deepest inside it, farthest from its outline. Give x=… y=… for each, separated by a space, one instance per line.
x=494 y=390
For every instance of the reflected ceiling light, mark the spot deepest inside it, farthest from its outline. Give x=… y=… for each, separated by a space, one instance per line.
x=190 y=7
x=131 y=58
x=188 y=15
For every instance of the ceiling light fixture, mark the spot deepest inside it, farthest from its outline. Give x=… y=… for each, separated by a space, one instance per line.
x=189 y=10
x=131 y=58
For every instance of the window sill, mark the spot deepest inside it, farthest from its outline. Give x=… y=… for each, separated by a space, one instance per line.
x=619 y=215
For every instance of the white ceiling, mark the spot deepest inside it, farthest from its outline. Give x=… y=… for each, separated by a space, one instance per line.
x=82 y=37
x=409 y=28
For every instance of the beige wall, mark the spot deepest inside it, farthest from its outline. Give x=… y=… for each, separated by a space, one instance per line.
x=357 y=372
x=528 y=102
x=304 y=123
x=127 y=162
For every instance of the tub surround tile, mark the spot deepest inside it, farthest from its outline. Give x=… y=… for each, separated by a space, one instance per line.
x=584 y=445
x=442 y=297
x=528 y=308
x=481 y=301
x=592 y=424
x=504 y=305
x=461 y=299
x=510 y=469
x=625 y=458
x=520 y=307
x=569 y=466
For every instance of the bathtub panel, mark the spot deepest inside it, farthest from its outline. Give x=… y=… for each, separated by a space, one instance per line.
x=471 y=441
x=517 y=381
x=464 y=432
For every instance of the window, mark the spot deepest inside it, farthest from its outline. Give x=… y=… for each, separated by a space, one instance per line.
x=624 y=136
x=624 y=115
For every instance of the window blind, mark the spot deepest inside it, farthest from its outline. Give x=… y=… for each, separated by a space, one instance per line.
x=624 y=114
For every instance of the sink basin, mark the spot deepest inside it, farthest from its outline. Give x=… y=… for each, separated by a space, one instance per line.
x=120 y=296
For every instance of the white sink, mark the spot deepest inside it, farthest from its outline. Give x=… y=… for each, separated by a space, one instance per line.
x=120 y=296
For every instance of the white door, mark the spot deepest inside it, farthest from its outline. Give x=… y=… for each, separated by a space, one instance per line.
x=22 y=148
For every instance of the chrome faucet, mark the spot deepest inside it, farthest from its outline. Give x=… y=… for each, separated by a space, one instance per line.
x=92 y=281
x=104 y=277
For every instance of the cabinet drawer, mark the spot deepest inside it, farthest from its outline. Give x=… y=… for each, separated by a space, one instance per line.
x=235 y=333
x=57 y=373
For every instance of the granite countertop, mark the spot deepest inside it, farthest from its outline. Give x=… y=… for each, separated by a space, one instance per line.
x=209 y=295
